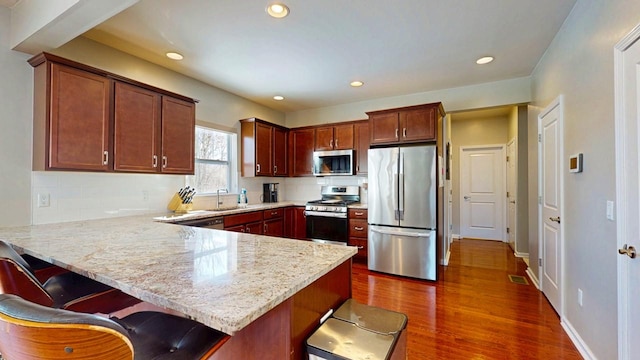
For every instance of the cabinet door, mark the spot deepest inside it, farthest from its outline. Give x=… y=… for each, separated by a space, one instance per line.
x=418 y=125
x=79 y=120
x=255 y=228
x=361 y=146
x=324 y=138
x=343 y=137
x=264 y=152
x=136 y=125
x=301 y=150
x=274 y=227
x=384 y=128
x=237 y=228
x=178 y=136
x=280 y=161
x=300 y=221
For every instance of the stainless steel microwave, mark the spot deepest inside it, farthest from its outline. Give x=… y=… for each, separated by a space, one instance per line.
x=333 y=162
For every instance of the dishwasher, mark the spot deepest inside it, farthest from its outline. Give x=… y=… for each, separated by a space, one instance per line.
x=209 y=223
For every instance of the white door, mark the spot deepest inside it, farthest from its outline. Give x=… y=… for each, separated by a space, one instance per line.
x=511 y=193
x=627 y=73
x=482 y=191
x=550 y=154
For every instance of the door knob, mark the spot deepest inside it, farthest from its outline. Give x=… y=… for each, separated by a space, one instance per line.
x=630 y=251
x=556 y=219
x=467 y=197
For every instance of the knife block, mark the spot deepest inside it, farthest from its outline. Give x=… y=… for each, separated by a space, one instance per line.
x=176 y=205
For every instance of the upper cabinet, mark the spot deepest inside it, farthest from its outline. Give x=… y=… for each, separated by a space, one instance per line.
x=361 y=146
x=336 y=137
x=264 y=148
x=301 y=145
x=405 y=125
x=91 y=120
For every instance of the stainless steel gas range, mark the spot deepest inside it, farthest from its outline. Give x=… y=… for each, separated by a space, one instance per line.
x=327 y=218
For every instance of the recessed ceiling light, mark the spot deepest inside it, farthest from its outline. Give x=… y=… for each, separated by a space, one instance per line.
x=278 y=98
x=174 y=55
x=278 y=10
x=356 y=83
x=484 y=60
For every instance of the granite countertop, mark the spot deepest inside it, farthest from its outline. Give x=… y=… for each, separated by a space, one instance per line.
x=202 y=214
x=222 y=279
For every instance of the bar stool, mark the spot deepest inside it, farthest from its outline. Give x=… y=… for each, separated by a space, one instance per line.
x=31 y=331
x=69 y=290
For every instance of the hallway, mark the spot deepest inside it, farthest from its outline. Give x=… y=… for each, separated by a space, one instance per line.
x=474 y=311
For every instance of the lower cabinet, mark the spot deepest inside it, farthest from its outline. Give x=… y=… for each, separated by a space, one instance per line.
x=358 y=232
x=250 y=223
x=295 y=223
x=273 y=222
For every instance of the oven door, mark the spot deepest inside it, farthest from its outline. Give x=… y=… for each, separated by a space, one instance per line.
x=327 y=229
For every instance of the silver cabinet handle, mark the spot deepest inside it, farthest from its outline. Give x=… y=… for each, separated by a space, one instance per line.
x=360 y=247
x=275 y=169
x=257 y=167
x=630 y=251
x=336 y=143
x=404 y=132
x=358 y=228
x=359 y=213
x=164 y=162
x=105 y=158
x=331 y=143
x=155 y=161
x=396 y=133
x=556 y=219
x=264 y=228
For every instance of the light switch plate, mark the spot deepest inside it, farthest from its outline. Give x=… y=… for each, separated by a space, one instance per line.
x=610 y=210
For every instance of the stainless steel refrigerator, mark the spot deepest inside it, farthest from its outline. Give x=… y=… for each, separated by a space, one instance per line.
x=402 y=211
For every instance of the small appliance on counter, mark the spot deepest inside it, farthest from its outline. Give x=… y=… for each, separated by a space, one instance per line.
x=270 y=192
x=182 y=201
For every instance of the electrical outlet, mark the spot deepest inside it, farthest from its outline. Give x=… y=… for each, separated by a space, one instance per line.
x=145 y=195
x=580 y=297
x=43 y=200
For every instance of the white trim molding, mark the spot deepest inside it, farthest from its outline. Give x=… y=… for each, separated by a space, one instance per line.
x=582 y=347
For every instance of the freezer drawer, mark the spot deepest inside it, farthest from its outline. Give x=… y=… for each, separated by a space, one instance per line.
x=401 y=251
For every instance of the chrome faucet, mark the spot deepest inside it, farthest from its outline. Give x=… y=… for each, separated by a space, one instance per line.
x=218 y=197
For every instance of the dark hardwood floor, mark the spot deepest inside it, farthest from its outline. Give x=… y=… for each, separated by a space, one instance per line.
x=473 y=311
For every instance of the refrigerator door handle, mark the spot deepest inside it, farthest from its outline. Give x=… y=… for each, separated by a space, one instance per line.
x=396 y=200
x=401 y=188
x=399 y=233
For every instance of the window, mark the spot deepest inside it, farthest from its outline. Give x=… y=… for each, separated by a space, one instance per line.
x=213 y=162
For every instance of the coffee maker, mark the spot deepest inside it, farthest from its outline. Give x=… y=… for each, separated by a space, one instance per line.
x=270 y=192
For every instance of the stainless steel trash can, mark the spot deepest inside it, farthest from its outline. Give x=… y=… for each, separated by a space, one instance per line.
x=356 y=331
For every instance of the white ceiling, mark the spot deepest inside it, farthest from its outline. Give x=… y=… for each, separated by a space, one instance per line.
x=396 y=48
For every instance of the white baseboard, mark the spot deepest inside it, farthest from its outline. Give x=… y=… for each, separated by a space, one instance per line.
x=520 y=255
x=577 y=340
x=447 y=257
x=455 y=237
x=533 y=278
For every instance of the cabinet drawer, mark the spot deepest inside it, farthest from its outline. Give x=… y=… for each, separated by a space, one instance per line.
x=358 y=228
x=358 y=214
x=273 y=213
x=233 y=220
x=361 y=244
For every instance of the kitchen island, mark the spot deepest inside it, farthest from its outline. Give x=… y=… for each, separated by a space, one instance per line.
x=267 y=293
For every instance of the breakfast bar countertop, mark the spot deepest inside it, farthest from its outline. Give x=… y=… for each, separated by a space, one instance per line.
x=223 y=279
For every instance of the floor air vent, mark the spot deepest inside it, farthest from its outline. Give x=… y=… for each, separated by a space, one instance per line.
x=517 y=279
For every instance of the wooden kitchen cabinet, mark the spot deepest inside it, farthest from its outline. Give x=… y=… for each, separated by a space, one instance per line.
x=89 y=119
x=358 y=232
x=405 y=125
x=250 y=222
x=295 y=223
x=301 y=145
x=178 y=136
x=274 y=222
x=71 y=118
x=337 y=137
x=264 y=148
x=361 y=146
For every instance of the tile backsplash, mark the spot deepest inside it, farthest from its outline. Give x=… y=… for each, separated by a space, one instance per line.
x=81 y=196
x=73 y=196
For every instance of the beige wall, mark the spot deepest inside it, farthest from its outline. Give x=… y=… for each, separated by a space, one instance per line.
x=480 y=131
x=16 y=102
x=579 y=65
